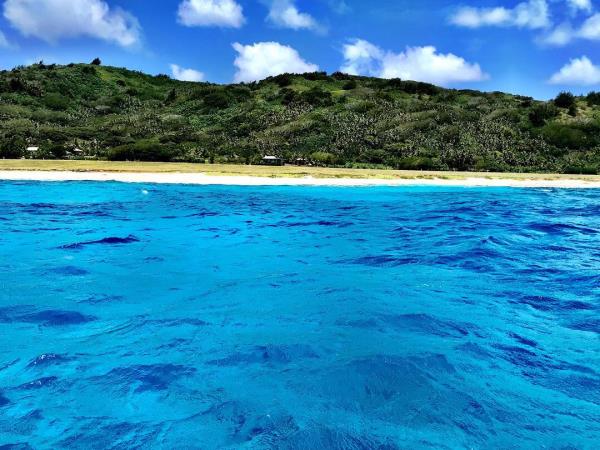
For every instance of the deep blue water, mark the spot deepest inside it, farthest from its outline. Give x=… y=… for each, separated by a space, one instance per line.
x=143 y=316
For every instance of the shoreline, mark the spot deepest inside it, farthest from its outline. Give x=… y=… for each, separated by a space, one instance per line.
x=199 y=178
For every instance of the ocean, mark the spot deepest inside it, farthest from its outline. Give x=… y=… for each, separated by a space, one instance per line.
x=174 y=316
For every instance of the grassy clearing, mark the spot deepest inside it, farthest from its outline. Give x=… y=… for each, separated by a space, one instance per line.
x=266 y=171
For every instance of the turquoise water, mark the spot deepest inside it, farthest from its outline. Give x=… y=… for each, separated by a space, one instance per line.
x=144 y=316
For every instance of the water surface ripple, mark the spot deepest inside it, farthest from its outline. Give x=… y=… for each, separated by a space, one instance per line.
x=298 y=318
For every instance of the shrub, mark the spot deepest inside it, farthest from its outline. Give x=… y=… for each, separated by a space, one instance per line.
x=362 y=107
x=96 y=62
x=541 y=112
x=16 y=85
x=239 y=93
x=12 y=147
x=526 y=102
x=511 y=115
x=216 y=99
x=288 y=96
x=44 y=115
x=89 y=70
x=142 y=151
x=56 y=101
x=581 y=170
x=564 y=100
x=283 y=80
x=317 y=96
x=52 y=134
x=412 y=87
x=489 y=165
x=593 y=98
x=565 y=136
x=171 y=97
x=415 y=163
x=324 y=158
x=341 y=76
x=374 y=156
x=350 y=85
x=384 y=96
x=316 y=76
x=58 y=151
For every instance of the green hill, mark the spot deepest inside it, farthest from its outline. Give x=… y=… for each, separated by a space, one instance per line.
x=113 y=113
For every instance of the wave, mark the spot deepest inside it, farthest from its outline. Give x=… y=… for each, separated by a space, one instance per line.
x=150 y=377
x=48 y=359
x=561 y=228
x=319 y=437
x=244 y=424
x=104 y=241
x=4 y=401
x=268 y=354
x=421 y=323
x=523 y=340
x=592 y=325
x=49 y=317
x=102 y=299
x=520 y=356
x=38 y=384
x=99 y=433
x=381 y=261
x=69 y=271
x=551 y=304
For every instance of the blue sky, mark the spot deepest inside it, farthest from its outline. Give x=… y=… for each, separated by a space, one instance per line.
x=531 y=47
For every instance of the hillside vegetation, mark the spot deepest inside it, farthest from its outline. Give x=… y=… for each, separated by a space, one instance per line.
x=330 y=120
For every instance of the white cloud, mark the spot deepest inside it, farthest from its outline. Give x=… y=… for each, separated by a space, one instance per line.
x=561 y=35
x=3 y=41
x=264 y=59
x=339 y=6
x=361 y=57
x=591 y=28
x=415 y=63
x=578 y=72
x=479 y=17
x=580 y=5
x=52 y=20
x=181 y=74
x=426 y=64
x=564 y=34
x=532 y=14
x=203 y=13
x=284 y=13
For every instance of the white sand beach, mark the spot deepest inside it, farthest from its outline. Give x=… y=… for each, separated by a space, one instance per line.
x=235 y=180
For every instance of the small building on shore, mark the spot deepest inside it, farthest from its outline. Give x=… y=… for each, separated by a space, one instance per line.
x=272 y=161
x=32 y=150
x=301 y=162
